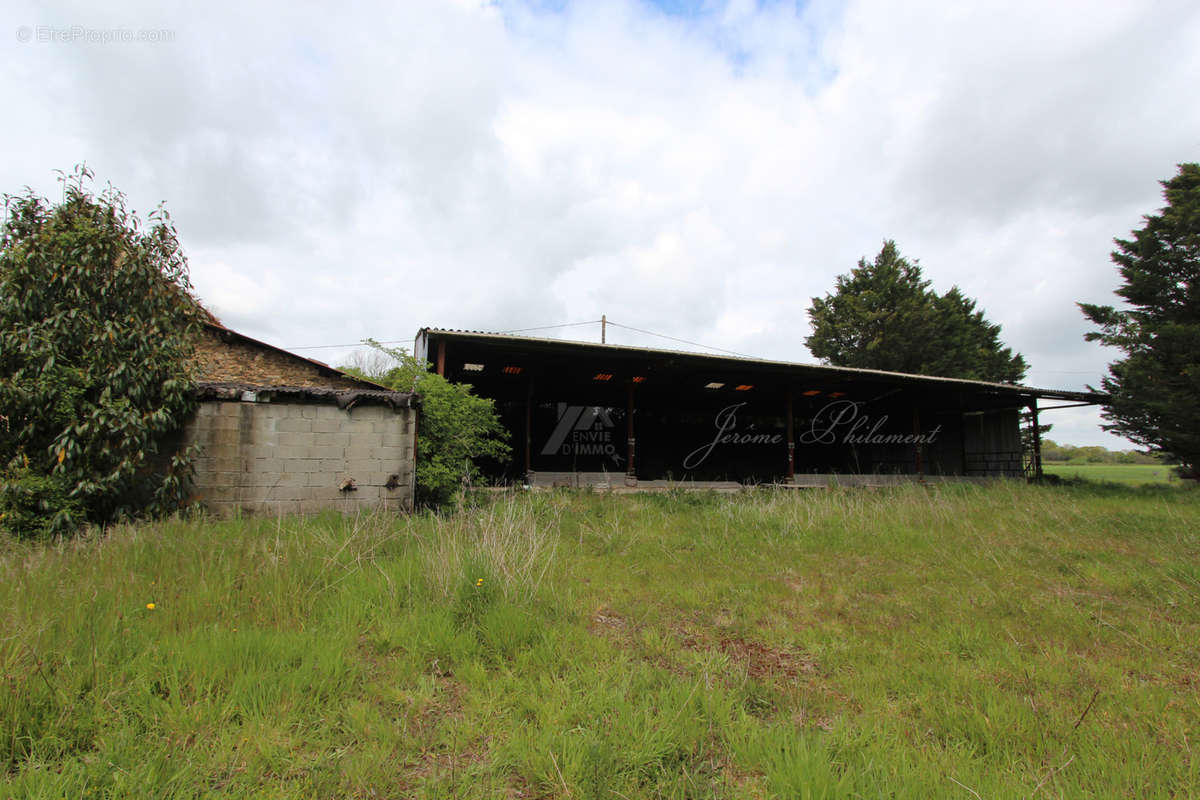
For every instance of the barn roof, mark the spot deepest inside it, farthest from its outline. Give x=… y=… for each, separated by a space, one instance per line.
x=791 y=372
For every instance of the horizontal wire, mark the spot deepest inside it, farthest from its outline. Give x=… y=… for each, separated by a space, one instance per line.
x=682 y=341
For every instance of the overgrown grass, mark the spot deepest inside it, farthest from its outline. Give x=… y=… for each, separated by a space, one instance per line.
x=1132 y=474
x=954 y=641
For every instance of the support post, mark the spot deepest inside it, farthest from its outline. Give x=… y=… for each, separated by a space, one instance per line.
x=1037 y=440
x=603 y=328
x=528 y=431
x=441 y=359
x=791 y=437
x=917 y=433
x=630 y=440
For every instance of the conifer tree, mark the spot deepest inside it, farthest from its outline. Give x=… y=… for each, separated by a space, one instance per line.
x=884 y=315
x=1156 y=388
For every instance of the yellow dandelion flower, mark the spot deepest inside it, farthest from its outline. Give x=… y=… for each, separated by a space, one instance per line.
x=150 y=606
x=479 y=582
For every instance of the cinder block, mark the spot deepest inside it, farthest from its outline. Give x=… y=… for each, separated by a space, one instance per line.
x=395 y=440
x=329 y=411
x=339 y=440
x=388 y=455
x=320 y=425
x=295 y=438
x=222 y=422
x=233 y=409
x=325 y=452
x=267 y=466
x=294 y=425
x=319 y=479
x=225 y=464
x=325 y=494
x=357 y=451
x=290 y=480
x=285 y=493
x=362 y=467
x=302 y=466
x=308 y=412
x=267 y=449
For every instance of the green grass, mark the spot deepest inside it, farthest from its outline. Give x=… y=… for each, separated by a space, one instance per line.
x=949 y=641
x=1131 y=474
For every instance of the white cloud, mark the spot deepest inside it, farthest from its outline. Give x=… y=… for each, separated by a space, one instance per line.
x=495 y=166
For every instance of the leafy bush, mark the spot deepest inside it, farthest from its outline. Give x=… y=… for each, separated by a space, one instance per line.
x=456 y=429
x=96 y=334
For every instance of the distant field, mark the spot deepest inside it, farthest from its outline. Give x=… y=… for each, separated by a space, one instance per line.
x=1132 y=474
x=950 y=641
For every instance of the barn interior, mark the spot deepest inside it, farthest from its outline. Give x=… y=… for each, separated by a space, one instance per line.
x=581 y=412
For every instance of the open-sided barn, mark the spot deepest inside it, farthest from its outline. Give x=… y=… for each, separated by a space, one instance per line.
x=582 y=412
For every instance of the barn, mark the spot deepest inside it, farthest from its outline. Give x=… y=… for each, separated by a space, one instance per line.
x=583 y=413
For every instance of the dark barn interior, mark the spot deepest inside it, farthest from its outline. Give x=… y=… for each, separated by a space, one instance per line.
x=580 y=408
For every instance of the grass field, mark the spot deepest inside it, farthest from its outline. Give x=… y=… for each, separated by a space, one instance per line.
x=951 y=641
x=1131 y=474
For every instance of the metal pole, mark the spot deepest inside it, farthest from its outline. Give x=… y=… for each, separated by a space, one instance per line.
x=603 y=328
x=1037 y=441
x=631 y=442
x=791 y=438
x=917 y=432
x=528 y=430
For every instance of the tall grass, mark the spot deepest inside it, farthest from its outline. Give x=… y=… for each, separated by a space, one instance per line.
x=952 y=641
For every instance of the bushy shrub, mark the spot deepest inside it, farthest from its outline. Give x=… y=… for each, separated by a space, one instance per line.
x=97 y=329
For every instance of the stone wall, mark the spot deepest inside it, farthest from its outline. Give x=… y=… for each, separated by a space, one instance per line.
x=288 y=457
x=225 y=355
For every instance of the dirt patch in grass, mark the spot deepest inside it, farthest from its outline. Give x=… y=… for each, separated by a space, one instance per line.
x=760 y=660
x=605 y=617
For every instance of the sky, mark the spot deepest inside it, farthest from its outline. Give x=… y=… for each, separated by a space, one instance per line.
x=695 y=168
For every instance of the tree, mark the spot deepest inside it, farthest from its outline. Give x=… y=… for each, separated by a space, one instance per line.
x=97 y=328
x=457 y=428
x=1155 y=389
x=883 y=315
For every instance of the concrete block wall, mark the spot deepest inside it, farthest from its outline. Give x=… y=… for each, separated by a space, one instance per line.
x=289 y=457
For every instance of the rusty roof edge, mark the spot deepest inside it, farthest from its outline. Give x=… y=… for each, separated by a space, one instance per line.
x=344 y=398
x=1098 y=398
x=222 y=329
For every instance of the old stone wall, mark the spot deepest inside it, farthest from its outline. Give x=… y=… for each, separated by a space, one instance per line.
x=223 y=355
x=292 y=457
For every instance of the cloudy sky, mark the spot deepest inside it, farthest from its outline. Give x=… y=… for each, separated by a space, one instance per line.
x=697 y=169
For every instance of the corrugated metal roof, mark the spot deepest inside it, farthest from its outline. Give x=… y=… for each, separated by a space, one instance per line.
x=1008 y=388
x=343 y=398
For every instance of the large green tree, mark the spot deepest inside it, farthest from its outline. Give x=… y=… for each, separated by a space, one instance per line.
x=1156 y=388
x=884 y=315
x=97 y=329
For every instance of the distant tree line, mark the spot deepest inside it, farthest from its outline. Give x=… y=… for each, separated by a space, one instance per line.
x=1094 y=454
